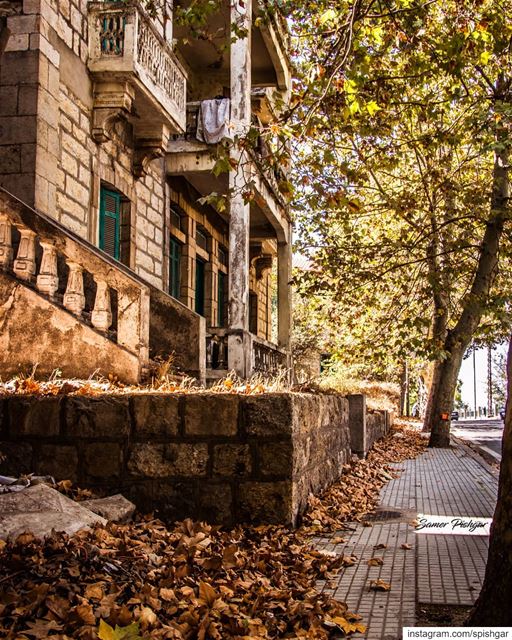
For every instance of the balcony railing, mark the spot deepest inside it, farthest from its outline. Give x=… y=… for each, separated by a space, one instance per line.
x=267 y=357
x=125 y=45
x=260 y=151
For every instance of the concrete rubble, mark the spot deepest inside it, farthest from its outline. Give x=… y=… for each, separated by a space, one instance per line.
x=115 y=508
x=39 y=510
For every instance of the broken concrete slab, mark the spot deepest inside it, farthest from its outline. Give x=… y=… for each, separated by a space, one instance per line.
x=115 y=508
x=41 y=510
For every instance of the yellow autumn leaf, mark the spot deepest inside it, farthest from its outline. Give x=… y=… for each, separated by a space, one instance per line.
x=328 y=16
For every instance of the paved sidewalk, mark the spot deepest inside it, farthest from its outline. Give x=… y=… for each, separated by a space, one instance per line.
x=438 y=569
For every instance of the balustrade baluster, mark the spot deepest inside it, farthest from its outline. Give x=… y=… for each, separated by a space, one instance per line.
x=25 y=263
x=101 y=316
x=222 y=360
x=74 y=298
x=5 y=242
x=48 y=279
x=209 y=351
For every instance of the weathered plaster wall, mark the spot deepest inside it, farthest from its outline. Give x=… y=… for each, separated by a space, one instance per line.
x=33 y=331
x=222 y=457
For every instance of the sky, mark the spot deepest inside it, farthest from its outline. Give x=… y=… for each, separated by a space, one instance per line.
x=466 y=375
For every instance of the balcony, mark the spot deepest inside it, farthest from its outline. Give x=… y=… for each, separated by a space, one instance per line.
x=189 y=157
x=136 y=74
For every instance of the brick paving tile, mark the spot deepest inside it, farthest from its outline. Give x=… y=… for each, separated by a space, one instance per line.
x=439 y=569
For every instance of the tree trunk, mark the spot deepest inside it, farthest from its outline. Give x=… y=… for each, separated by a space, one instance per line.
x=493 y=607
x=473 y=306
x=432 y=394
x=441 y=399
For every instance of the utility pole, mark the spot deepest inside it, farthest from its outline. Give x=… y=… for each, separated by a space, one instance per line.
x=490 y=411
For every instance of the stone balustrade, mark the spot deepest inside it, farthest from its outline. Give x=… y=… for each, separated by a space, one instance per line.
x=73 y=275
x=126 y=46
x=268 y=357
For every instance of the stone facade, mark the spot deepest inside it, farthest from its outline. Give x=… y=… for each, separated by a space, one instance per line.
x=79 y=118
x=221 y=457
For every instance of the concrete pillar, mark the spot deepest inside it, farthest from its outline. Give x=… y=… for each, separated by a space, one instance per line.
x=239 y=341
x=357 y=424
x=284 y=292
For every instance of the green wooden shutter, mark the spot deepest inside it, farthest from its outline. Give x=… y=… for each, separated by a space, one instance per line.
x=174 y=267
x=200 y=287
x=110 y=222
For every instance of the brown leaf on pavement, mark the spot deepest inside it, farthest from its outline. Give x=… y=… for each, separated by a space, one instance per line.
x=375 y=562
x=379 y=585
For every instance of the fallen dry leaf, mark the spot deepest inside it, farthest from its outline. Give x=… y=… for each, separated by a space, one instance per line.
x=375 y=562
x=379 y=585
x=405 y=546
x=381 y=545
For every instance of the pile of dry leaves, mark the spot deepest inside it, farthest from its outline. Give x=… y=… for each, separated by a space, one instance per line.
x=193 y=581
x=146 y=580
x=357 y=491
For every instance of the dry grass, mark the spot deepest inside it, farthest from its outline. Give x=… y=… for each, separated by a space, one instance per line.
x=165 y=382
x=379 y=395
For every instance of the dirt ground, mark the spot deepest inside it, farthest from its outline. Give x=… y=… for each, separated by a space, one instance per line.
x=441 y=615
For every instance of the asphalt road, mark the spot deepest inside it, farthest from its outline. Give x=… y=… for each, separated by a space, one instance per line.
x=486 y=433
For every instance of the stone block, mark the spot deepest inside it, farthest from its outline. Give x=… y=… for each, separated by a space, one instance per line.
x=211 y=415
x=19 y=67
x=8 y=101
x=268 y=415
x=106 y=416
x=102 y=460
x=276 y=458
x=173 y=499
x=269 y=502
x=27 y=100
x=10 y=159
x=155 y=415
x=215 y=504
x=168 y=460
x=232 y=460
x=34 y=416
x=59 y=461
x=17 y=129
x=15 y=458
x=113 y=508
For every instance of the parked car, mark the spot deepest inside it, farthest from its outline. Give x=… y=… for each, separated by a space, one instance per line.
x=502 y=413
x=455 y=415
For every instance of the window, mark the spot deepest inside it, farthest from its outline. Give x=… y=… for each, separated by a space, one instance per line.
x=221 y=299
x=199 y=306
x=201 y=239
x=174 y=267
x=223 y=256
x=110 y=222
x=175 y=217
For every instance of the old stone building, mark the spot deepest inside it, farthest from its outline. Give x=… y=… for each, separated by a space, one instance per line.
x=110 y=128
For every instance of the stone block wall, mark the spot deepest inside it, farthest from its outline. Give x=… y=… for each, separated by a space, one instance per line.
x=222 y=457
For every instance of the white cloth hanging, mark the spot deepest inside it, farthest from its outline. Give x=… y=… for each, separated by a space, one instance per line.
x=213 y=120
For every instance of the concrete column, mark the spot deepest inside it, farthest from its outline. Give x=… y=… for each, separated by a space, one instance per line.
x=357 y=424
x=188 y=265
x=211 y=286
x=239 y=343
x=284 y=292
